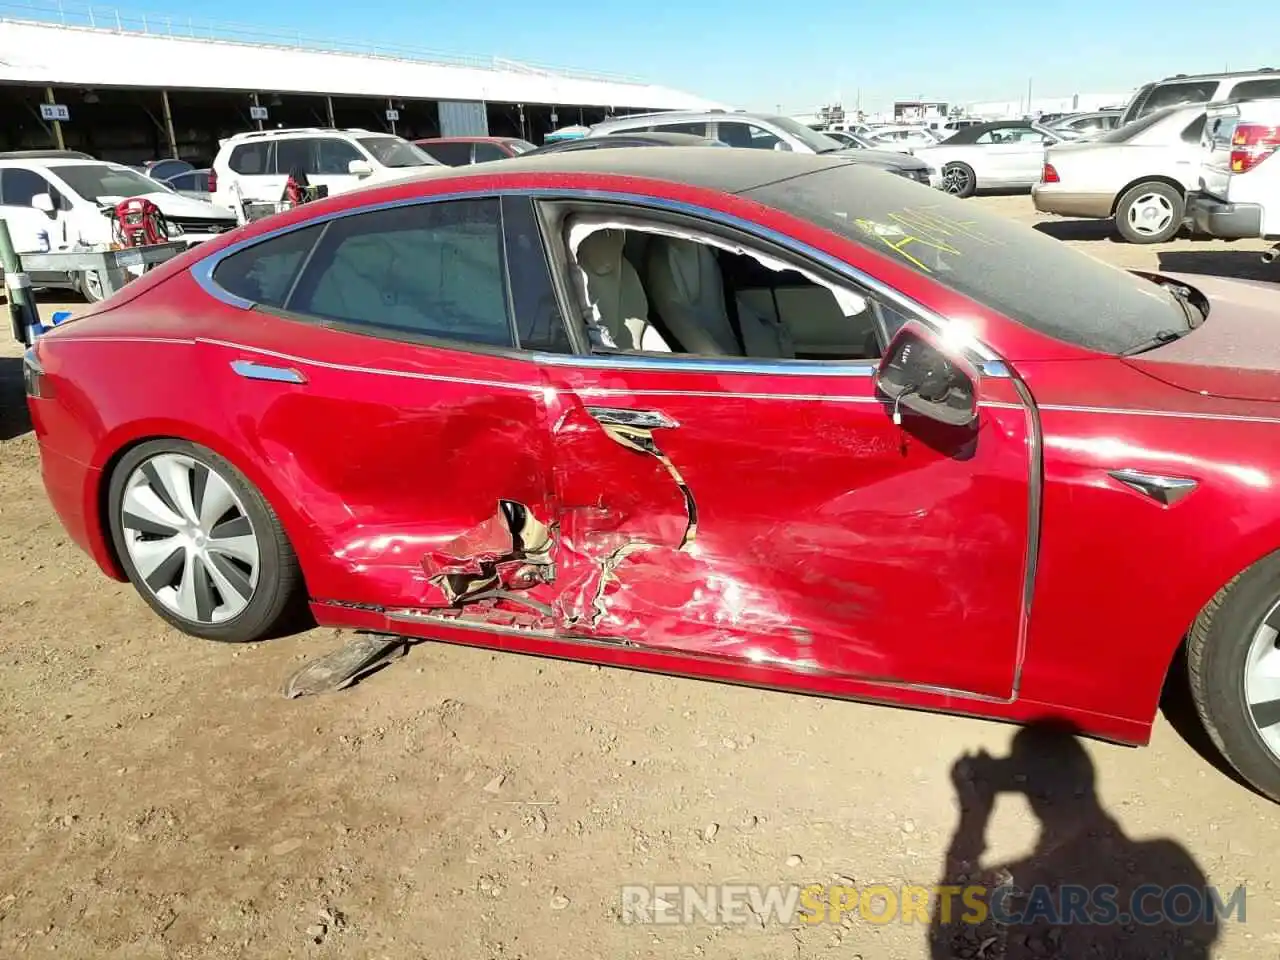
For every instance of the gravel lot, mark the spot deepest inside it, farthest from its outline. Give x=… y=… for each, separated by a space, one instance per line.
x=161 y=799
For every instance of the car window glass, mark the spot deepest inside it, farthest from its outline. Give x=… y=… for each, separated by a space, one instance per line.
x=696 y=129
x=453 y=153
x=265 y=272
x=431 y=269
x=250 y=158
x=1194 y=129
x=18 y=186
x=737 y=134
x=296 y=154
x=1255 y=89
x=334 y=156
x=1009 y=135
x=1175 y=94
x=540 y=325
x=486 y=152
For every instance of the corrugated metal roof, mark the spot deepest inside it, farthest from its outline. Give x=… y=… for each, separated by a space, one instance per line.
x=147 y=55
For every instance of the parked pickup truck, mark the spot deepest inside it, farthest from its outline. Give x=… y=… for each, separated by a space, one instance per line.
x=1239 y=194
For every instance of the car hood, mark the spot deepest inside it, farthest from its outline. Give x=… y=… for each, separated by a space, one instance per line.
x=176 y=205
x=880 y=158
x=1235 y=353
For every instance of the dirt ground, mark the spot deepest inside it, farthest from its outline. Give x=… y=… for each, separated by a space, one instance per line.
x=159 y=798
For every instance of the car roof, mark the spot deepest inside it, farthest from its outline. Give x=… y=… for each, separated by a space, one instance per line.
x=63 y=161
x=468 y=140
x=713 y=168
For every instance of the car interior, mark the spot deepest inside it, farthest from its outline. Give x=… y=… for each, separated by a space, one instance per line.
x=655 y=292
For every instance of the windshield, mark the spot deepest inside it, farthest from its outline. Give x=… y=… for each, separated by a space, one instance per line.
x=394 y=152
x=1024 y=274
x=96 y=180
x=1130 y=130
x=815 y=141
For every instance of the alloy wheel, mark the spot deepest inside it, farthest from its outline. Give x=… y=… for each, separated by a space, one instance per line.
x=1150 y=214
x=190 y=538
x=955 y=180
x=1262 y=680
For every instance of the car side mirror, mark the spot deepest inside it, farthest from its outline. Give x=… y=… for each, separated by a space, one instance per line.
x=922 y=375
x=360 y=168
x=44 y=203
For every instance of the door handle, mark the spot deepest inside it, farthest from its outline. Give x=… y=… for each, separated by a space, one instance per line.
x=624 y=417
x=261 y=371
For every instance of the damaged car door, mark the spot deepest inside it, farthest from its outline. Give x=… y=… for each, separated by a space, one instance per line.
x=780 y=512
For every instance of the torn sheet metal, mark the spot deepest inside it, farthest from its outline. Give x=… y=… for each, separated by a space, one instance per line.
x=346 y=665
x=510 y=551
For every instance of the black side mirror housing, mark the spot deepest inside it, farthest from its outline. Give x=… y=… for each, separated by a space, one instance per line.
x=920 y=374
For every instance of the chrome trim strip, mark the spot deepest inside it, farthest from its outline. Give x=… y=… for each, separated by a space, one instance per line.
x=257 y=371
x=202 y=270
x=1035 y=498
x=1164 y=490
x=185 y=342
x=677 y=363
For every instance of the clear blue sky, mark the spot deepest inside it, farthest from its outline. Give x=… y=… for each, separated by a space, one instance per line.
x=800 y=53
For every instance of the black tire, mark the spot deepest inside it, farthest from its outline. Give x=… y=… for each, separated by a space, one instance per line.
x=959 y=180
x=90 y=287
x=277 y=598
x=1218 y=651
x=1162 y=201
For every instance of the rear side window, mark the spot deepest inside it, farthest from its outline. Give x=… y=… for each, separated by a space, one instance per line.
x=486 y=152
x=19 y=186
x=452 y=154
x=251 y=158
x=296 y=155
x=1194 y=130
x=1255 y=89
x=696 y=129
x=541 y=326
x=433 y=270
x=266 y=272
x=1177 y=94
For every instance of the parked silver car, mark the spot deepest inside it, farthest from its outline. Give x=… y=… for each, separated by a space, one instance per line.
x=764 y=132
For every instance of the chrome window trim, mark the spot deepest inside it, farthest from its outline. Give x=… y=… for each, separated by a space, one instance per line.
x=202 y=272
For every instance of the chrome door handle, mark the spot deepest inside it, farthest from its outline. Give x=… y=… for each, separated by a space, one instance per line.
x=624 y=417
x=261 y=371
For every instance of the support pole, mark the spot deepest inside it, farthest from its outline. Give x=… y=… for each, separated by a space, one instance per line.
x=328 y=110
x=390 y=107
x=57 y=124
x=23 y=314
x=168 y=124
x=254 y=97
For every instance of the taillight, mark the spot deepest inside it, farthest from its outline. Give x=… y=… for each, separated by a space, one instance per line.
x=1049 y=175
x=1251 y=144
x=213 y=181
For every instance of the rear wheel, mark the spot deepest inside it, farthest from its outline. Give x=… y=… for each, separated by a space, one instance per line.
x=1233 y=662
x=200 y=544
x=959 y=180
x=91 y=286
x=1150 y=213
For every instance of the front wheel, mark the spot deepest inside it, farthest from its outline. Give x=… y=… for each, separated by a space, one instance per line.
x=1233 y=662
x=90 y=285
x=200 y=544
x=1150 y=213
x=959 y=180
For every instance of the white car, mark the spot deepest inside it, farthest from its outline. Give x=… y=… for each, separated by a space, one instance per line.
x=1140 y=174
x=60 y=200
x=902 y=138
x=1239 y=188
x=1007 y=153
x=255 y=166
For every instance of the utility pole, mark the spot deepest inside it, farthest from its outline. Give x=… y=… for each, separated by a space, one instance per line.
x=1028 y=96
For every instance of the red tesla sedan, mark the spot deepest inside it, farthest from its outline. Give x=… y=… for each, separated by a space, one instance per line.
x=753 y=416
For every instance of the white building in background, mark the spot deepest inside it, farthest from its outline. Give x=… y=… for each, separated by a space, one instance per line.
x=1075 y=103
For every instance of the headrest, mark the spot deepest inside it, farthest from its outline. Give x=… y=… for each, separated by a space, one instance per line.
x=601 y=252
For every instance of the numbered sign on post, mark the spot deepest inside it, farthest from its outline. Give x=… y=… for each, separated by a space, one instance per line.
x=257 y=113
x=393 y=116
x=54 y=111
